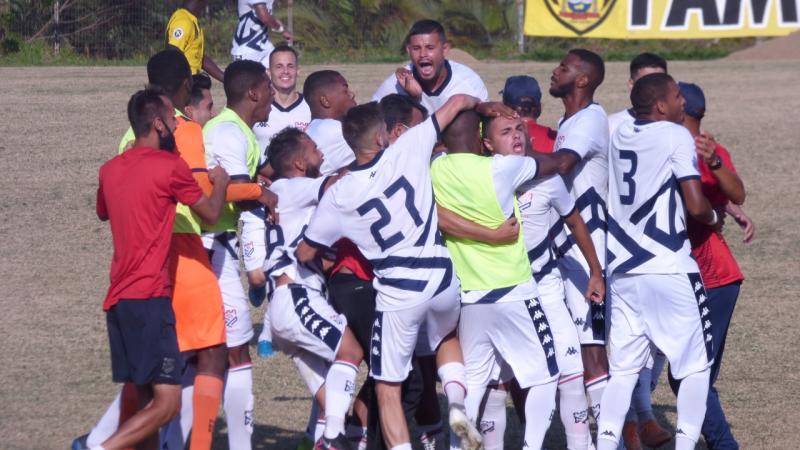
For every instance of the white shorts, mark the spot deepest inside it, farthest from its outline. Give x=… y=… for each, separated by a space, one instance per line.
x=254 y=243
x=513 y=333
x=565 y=336
x=302 y=319
x=666 y=309
x=588 y=317
x=394 y=333
x=223 y=252
x=261 y=56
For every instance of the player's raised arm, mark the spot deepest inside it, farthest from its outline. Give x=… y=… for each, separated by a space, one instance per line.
x=271 y=21
x=453 y=106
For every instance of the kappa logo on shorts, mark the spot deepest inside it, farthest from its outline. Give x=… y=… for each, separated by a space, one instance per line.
x=579 y=322
x=608 y=433
x=541 y=327
x=248 y=249
x=375 y=345
x=230 y=317
x=571 y=351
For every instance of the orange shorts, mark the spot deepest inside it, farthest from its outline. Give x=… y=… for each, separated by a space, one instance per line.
x=196 y=298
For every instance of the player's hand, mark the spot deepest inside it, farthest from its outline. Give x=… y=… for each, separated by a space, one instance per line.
x=286 y=35
x=263 y=181
x=746 y=224
x=218 y=176
x=496 y=109
x=270 y=201
x=706 y=146
x=596 y=290
x=407 y=81
x=507 y=232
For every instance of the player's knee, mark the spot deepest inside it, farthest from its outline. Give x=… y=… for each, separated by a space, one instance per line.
x=238 y=356
x=256 y=278
x=167 y=403
x=211 y=361
x=595 y=360
x=350 y=350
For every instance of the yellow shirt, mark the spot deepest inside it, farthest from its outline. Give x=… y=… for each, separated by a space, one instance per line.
x=184 y=33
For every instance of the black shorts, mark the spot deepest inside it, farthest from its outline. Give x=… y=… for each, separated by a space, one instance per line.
x=144 y=346
x=355 y=299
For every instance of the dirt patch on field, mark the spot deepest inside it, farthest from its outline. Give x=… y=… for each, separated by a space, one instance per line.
x=458 y=55
x=781 y=48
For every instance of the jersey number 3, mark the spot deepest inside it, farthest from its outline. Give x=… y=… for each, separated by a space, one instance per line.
x=385 y=217
x=627 y=177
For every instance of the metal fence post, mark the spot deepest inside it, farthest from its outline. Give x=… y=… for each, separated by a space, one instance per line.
x=290 y=20
x=56 y=20
x=521 y=26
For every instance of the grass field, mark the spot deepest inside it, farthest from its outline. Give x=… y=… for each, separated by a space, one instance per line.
x=58 y=125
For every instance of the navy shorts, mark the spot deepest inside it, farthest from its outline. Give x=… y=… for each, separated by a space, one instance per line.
x=144 y=346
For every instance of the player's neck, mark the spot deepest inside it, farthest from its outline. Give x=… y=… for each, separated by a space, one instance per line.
x=366 y=155
x=437 y=82
x=692 y=126
x=576 y=101
x=244 y=112
x=150 y=140
x=287 y=97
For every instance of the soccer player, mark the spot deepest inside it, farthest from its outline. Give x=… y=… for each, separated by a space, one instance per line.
x=656 y=292
x=640 y=424
x=329 y=98
x=522 y=93
x=581 y=149
x=502 y=322
x=184 y=33
x=138 y=193
x=718 y=268
x=251 y=38
x=431 y=79
x=200 y=107
x=231 y=144
x=544 y=204
x=385 y=206
x=304 y=325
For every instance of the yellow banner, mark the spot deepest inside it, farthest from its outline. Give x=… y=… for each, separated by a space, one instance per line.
x=661 y=19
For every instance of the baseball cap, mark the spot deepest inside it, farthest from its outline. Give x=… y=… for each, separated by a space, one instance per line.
x=520 y=86
x=695 y=105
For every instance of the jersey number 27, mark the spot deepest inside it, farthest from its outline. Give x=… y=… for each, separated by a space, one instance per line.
x=385 y=217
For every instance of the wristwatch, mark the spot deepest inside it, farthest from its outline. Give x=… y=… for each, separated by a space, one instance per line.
x=715 y=163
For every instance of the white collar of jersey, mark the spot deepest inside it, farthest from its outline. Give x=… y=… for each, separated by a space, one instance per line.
x=564 y=119
x=440 y=88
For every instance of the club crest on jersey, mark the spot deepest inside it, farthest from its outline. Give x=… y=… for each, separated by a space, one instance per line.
x=580 y=16
x=177 y=33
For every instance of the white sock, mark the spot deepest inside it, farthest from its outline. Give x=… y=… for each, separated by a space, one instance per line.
x=472 y=404
x=238 y=405
x=406 y=446
x=266 y=331
x=340 y=385
x=493 y=420
x=616 y=401
x=641 y=396
x=572 y=406
x=107 y=425
x=594 y=392
x=692 y=397
x=453 y=376
x=539 y=410
x=97 y=447
x=659 y=360
x=319 y=429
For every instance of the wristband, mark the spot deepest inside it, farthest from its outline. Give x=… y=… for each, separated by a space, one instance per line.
x=278 y=30
x=716 y=164
x=715 y=218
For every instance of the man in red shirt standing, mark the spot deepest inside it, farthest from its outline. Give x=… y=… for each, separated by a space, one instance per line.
x=522 y=93
x=721 y=274
x=138 y=193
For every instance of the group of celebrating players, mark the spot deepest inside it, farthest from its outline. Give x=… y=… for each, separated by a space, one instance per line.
x=430 y=234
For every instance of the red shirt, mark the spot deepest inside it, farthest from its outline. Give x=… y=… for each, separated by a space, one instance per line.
x=138 y=192
x=718 y=267
x=348 y=256
x=542 y=137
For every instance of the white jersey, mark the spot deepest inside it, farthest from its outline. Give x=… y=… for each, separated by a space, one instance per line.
x=460 y=80
x=647 y=231
x=386 y=208
x=618 y=118
x=586 y=135
x=542 y=204
x=296 y=115
x=297 y=199
x=251 y=38
x=327 y=134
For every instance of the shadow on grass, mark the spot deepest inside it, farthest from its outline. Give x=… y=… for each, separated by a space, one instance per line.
x=265 y=437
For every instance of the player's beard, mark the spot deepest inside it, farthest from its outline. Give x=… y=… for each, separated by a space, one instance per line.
x=312 y=172
x=563 y=90
x=167 y=142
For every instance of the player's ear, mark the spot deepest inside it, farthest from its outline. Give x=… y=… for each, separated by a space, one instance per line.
x=582 y=80
x=446 y=48
x=323 y=100
x=487 y=144
x=630 y=84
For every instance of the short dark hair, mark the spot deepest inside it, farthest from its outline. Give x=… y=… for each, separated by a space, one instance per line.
x=645 y=60
x=648 y=90
x=200 y=82
x=360 y=119
x=318 y=81
x=168 y=69
x=143 y=108
x=426 y=26
x=398 y=108
x=596 y=65
x=240 y=77
x=282 y=149
x=283 y=48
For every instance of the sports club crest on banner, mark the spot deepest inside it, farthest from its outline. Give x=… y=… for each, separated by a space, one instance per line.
x=580 y=16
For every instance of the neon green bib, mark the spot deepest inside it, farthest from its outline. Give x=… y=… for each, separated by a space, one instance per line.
x=185 y=220
x=462 y=183
x=229 y=218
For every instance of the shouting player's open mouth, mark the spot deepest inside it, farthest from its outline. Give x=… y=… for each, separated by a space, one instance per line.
x=426 y=69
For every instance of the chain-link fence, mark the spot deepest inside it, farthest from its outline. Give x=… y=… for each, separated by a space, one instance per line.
x=104 y=28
